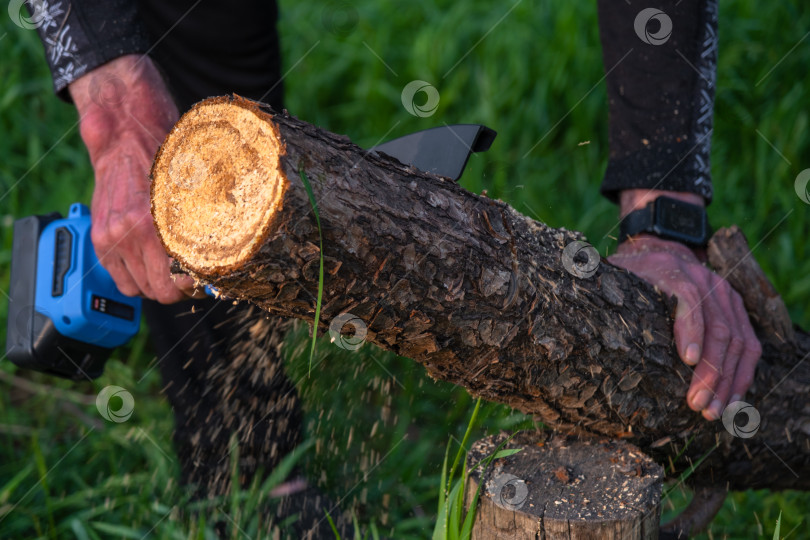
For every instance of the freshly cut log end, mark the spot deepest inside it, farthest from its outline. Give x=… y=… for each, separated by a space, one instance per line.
x=217 y=184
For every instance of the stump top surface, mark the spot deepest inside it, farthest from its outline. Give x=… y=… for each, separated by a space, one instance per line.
x=217 y=184
x=570 y=480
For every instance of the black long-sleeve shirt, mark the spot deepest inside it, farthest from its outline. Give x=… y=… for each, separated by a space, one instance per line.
x=660 y=63
x=203 y=47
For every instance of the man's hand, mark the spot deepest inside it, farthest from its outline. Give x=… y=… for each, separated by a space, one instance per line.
x=125 y=113
x=712 y=330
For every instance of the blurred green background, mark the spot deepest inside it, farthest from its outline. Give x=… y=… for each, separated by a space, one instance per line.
x=531 y=71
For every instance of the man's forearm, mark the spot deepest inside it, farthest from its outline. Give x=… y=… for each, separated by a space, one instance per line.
x=660 y=65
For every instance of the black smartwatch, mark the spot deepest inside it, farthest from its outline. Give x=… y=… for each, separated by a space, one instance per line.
x=670 y=219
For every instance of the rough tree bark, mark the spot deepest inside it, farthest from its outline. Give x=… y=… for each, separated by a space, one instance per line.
x=461 y=283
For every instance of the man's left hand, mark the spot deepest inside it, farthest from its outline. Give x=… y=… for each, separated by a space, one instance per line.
x=712 y=329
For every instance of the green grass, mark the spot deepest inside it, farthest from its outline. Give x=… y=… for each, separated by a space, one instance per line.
x=65 y=472
x=317 y=318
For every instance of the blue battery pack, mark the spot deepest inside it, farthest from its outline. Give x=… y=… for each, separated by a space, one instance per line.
x=65 y=313
x=76 y=292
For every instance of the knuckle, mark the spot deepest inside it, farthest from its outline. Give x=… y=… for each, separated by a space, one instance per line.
x=100 y=238
x=117 y=230
x=128 y=289
x=166 y=292
x=736 y=344
x=719 y=331
x=123 y=223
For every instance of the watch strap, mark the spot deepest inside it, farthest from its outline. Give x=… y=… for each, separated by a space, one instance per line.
x=670 y=219
x=635 y=222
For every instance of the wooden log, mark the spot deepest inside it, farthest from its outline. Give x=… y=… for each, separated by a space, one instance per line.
x=729 y=256
x=480 y=295
x=559 y=488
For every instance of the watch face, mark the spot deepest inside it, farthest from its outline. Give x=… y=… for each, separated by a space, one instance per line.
x=680 y=220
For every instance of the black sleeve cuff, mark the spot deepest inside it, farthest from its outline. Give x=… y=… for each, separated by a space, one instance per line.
x=660 y=63
x=670 y=167
x=80 y=36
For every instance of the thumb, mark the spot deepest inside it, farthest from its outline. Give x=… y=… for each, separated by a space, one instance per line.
x=186 y=285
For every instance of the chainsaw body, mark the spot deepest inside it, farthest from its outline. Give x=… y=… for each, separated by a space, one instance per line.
x=65 y=313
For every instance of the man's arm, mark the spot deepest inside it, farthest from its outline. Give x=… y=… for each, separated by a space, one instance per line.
x=661 y=73
x=94 y=49
x=122 y=131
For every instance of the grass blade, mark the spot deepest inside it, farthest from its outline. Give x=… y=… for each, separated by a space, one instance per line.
x=455 y=508
x=688 y=472
x=332 y=525
x=440 y=529
x=12 y=484
x=119 y=531
x=314 y=205
x=42 y=469
x=778 y=526
x=461 y=450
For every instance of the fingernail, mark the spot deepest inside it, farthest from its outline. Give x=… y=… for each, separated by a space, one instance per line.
x=692 y=354
x=701 y=399
x=713 y=410
x=735 y=398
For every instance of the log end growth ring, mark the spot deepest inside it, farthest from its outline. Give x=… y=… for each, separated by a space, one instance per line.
x=217 y=184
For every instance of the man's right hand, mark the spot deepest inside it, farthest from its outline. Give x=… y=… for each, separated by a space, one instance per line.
x=125 y=113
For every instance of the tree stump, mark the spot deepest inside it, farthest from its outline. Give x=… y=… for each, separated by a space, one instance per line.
x=560 y=488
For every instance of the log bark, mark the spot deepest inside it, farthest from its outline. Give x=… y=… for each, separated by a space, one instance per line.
x=463 y=284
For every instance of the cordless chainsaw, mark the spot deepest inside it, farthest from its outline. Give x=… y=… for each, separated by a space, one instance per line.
x=65 y=314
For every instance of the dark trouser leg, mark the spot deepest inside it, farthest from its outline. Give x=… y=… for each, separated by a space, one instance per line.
x=222 y=374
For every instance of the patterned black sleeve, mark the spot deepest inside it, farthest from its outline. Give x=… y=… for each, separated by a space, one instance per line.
x=80 y=35
x=661 y=64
